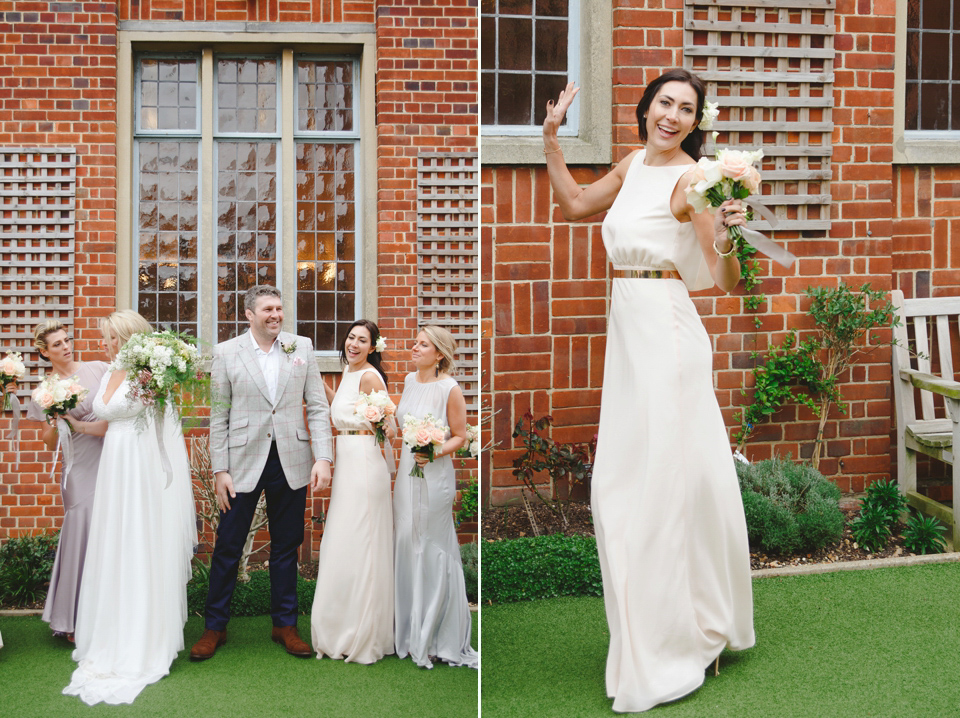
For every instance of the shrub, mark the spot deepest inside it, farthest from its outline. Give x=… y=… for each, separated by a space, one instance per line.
x=924 y=534
x=469 y=501
x=871 y=529
x=540 y=567
x=788 y=506
x=470 y=557
x=886 y=498
x=249 y=599
x=25 y=566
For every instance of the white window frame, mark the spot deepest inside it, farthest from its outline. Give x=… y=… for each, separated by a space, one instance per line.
x=915 y=147
x=354 y=41
x=588 y=136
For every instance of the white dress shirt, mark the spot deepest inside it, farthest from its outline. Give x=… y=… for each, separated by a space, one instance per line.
x=269 y=365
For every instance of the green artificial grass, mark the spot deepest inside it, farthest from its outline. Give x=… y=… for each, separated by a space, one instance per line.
x=858 y=644
x=249 y=676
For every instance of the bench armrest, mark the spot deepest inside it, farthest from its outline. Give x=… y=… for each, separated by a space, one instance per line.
x=929 y=382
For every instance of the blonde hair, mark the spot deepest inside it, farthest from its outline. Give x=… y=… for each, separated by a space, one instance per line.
x=445 y=345
x=124 y=324
x=43 y=330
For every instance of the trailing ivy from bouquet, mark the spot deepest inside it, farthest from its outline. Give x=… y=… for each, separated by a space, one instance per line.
x=733 y=176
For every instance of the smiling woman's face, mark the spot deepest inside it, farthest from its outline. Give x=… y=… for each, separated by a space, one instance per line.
x=671 y=115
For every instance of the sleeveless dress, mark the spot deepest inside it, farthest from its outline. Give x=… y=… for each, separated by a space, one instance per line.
x=133 y=601
x=432 y=614
x=352 y=614
x=76 y=490
x=666 y=502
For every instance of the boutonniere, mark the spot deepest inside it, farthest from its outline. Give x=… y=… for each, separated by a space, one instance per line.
x=289 y=349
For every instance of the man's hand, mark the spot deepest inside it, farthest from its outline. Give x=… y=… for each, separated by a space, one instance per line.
x=320 y=475
x=225 y=490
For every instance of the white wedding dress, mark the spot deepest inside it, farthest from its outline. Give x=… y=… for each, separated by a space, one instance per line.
x=133 y=602
x=670 y=528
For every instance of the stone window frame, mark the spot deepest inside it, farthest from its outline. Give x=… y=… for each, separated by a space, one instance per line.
x=915 y=147
x=290 y=42
x=593 y=143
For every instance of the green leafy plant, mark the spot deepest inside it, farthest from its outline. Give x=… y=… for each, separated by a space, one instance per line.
x=559 y=461
x=924 y=534
x=871 y=529
x=25 y=566
x=469 y=501
x=530 y=568
x=749 y=272
x=788 y=506
x=470 y=558
x=843 y=317
x=788 y=374
x=885 y=497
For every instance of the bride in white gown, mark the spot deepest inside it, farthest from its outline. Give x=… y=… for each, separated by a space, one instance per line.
x=133 y=603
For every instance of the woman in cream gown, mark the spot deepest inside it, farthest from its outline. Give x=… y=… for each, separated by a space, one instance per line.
x=670 y=528
x=133 y=602
x=352 y=614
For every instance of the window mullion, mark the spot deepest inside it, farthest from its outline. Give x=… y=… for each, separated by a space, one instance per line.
x=287 y=190
x=208 y=274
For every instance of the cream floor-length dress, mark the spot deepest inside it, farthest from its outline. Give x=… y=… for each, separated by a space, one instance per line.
x=669 y=520
x=432 y=614
x=352 y=614
x=133 y=600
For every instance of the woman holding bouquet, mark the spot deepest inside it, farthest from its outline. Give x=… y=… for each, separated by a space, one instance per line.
x=54 y=344
x=666 y=502
x=352 y=615
x=133 y=602
x=432 y=615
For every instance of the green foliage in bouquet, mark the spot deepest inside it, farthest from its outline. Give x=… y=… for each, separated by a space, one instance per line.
x=25 y=566
x=789 y=507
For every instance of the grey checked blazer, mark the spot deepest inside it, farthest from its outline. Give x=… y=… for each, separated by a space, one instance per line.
x=244 y=422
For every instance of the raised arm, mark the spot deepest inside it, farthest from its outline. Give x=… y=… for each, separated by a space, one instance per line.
x=575 y=202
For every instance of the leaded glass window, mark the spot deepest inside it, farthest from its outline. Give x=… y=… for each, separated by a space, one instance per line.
x=932 y=100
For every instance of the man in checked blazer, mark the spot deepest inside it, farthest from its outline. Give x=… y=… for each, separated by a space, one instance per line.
x=260 y=443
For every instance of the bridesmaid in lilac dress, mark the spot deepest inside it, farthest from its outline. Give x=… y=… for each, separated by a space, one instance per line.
x=77 y=488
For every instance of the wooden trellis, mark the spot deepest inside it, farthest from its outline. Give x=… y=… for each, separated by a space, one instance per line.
x=447 y=256
x=37 y=223
x=769 y=63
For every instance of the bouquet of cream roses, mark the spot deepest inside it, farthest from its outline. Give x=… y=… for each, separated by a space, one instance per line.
x=731 y=176
x=11 y=369
x=57 y=396
x=472 y=447
x=375 y=408
x=161 y=367
x=423 y=436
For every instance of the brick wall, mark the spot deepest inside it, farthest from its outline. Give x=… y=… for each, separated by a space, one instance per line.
x=550 y=279
x=58 y=75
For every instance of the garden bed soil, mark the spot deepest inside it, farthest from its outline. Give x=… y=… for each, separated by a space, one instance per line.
x=514 y=522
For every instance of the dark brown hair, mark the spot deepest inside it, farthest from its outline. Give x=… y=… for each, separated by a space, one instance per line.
x=374 y=357
x=693 y=143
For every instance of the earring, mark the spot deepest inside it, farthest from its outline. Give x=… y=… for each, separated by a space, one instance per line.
x=436 y=369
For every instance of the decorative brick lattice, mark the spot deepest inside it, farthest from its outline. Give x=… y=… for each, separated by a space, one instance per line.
x=447 y=266
x=770 y=66
x=37 y=222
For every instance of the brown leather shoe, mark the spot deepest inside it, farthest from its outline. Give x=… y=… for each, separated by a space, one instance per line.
x=287 y=635
x=208 y=644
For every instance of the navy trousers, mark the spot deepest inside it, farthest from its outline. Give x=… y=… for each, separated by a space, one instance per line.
x=285 y=510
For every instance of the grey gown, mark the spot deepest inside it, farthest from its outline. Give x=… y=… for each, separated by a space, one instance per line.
x=431 y=611
x=77 y=491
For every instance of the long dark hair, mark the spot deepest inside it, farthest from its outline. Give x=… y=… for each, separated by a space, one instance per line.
x=693 y=143
x=374 y=358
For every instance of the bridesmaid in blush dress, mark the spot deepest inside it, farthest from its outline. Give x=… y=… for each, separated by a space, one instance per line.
x=670 y=528
x=352 y=614
x=432 y=614
x=76 y=487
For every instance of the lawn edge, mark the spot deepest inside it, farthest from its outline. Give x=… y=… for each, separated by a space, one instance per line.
x=856 y=565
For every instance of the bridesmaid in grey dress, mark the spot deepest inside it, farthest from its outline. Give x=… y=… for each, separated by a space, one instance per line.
x=56 y=346
x=432 y=616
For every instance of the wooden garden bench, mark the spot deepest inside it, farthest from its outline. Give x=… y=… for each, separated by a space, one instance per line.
x=923 y=378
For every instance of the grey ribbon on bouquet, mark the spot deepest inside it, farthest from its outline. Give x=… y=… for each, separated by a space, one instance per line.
x=65 y=443
x=761 y=242
x=164 y=459
x=14 y=433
